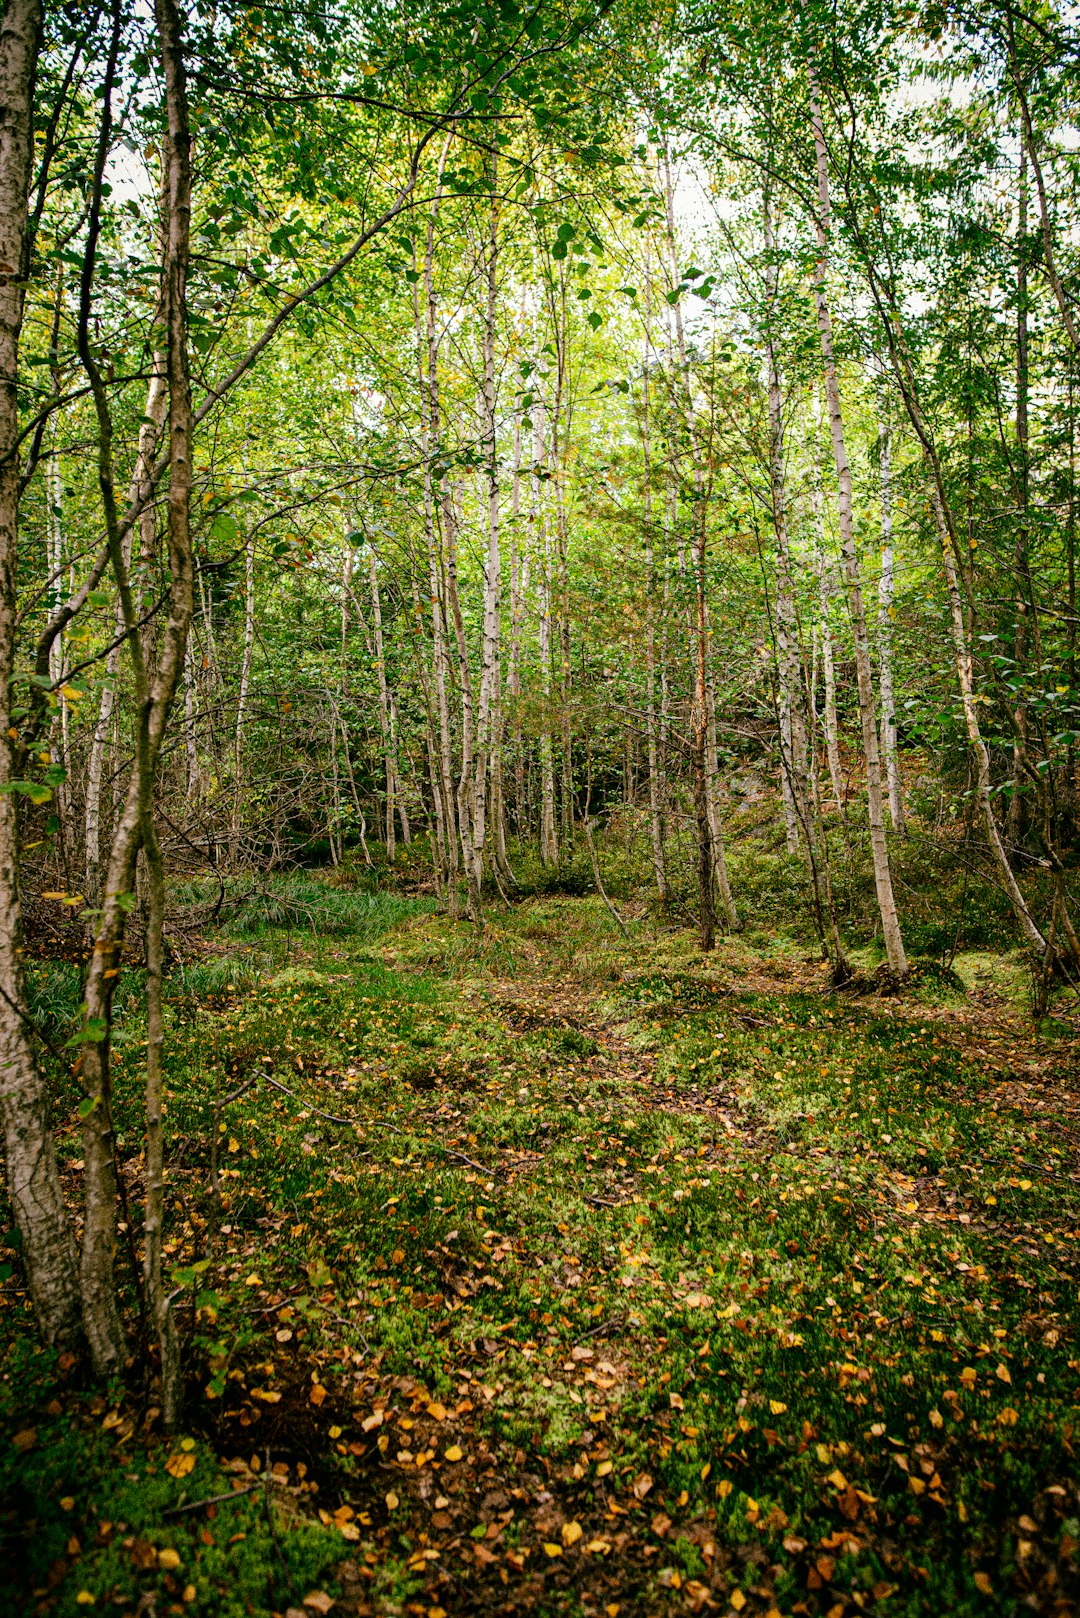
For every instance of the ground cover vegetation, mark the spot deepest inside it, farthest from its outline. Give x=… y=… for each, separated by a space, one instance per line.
x=538 y=808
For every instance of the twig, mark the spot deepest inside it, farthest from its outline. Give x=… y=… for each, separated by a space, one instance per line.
x=273 y=1531
x=491 y=1174
x=610 y=908
x=602 y=1330
x=212 y=1500
x=331 y=1117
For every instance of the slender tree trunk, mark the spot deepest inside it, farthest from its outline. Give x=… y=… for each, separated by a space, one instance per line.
x=890 y=921
x=242 y=694
x=486 y=718
x=48 y=1244
x=549 y=843
x=98 y=1289
x=389 y=767
x=828 y=664
x=885 y=648
x=792 y=722
x=656 y=807
x=1015 y=816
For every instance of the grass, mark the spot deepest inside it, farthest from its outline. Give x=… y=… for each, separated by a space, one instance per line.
x=615 y=1281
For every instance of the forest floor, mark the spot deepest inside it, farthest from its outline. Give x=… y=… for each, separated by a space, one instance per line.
x=552 y=1273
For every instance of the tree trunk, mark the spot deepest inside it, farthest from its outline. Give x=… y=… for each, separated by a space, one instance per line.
x=885 y=657
x=37 y=1201
x=389 y=770
x=890 y=921
x=100 y=1312
x=656 y=809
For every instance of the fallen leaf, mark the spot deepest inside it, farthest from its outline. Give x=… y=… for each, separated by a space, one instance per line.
x=26 y=1439
x=318 y=1394
x=552 y=1550
x=641 y=1485
x=571 y=1533
x=319 y=1601
x=168 y=1558
x=180 y=1464
x=453 y=1452
x=982 y=1582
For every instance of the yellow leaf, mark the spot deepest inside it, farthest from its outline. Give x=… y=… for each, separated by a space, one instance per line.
x=189 y=1595
x=335 y=1432
x=67 y=1503
x=436 y=1411
x=180 y=1464
x=982 y=1582
x=253 y=1280
x=916 y=1485
x=370 y=1423
x=234 y=1144
x=598 y=1547
x=397 y=1256
x=1002 y=1373
x=85 y=1599
x=453 y=1453
x=571 y=1533
x=168 y=1558
x=318 y=1393
x=392 y=1501
x=737 y=1599
x=837 y=1479
x=605 y=1467
x=724 y=1488
x=777 y=1407
x=936 y=1418
x=349 y=1531
x=266 y=1395
x=552 y=1550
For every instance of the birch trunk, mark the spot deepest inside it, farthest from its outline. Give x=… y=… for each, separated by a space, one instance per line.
x=486 y=722
x=792 y=721
x=656 y=810
x=885 y=648
x=389 y=770
x=890 y=921
x=242 y=694
x=33 y=1181
x=431 y=432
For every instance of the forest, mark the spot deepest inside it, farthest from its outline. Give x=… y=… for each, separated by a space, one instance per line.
x=539 y=808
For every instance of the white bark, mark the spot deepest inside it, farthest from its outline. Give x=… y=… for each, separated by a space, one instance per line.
x=890 y=921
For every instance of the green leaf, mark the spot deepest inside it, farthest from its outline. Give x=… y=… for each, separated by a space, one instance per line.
x=224 y=529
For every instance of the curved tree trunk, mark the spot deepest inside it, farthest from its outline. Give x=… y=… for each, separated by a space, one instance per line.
x=48 y=1242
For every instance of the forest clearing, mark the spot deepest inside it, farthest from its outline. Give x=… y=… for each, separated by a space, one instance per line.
x=539 y=808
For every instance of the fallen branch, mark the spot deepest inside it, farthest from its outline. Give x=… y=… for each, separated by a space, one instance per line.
x=211 y=1500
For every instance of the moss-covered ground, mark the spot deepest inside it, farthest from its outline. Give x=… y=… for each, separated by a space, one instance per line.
x=554 y=1273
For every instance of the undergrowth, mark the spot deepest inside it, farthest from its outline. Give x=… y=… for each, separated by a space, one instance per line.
x=550 y=1272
